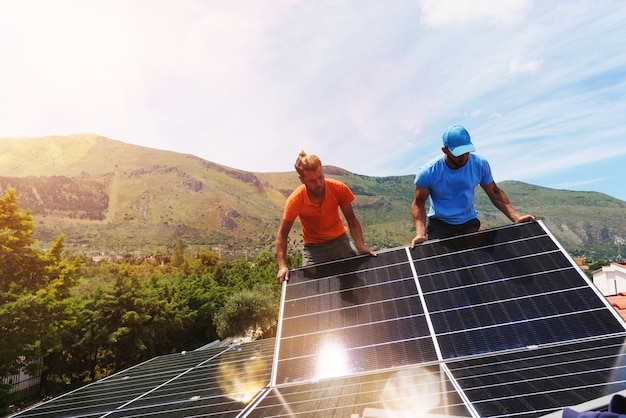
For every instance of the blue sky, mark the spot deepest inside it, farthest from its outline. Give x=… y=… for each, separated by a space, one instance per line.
x=368 y=85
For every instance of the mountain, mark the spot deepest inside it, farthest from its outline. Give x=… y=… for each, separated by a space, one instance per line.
x=109 y=196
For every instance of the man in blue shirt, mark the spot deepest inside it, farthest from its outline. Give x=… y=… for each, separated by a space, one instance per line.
x=449 y=182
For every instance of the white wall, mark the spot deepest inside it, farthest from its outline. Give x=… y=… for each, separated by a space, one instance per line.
x=611 y=279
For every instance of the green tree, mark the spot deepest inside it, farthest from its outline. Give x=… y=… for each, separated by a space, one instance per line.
x=178 y=256
x=58 y=310
x=16 y=228
x=83 y=345
x=35 y=293
x=197 y=298
x=209 y=258
x=264 y=258
x=234 y=275
x=125 y=312
x=168 y=318
x=254 y=310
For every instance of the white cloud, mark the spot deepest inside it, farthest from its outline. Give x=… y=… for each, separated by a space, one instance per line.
x=518 y=65
x=578 y=184
x=441 y=13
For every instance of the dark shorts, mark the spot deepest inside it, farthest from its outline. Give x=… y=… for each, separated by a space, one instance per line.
x=438 y=229
x=334 y=249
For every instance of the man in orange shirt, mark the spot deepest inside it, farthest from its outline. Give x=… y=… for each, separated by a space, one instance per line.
x=317 y=202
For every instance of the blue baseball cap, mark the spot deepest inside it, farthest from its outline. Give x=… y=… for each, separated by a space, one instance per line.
x=457 y=140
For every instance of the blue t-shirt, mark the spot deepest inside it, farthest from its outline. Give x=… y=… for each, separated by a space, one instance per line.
x=452 y=190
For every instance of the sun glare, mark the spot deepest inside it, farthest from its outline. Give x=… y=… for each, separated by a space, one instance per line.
x=332 y=361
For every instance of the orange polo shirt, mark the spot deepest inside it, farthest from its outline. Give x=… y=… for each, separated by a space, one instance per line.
x=320 y=223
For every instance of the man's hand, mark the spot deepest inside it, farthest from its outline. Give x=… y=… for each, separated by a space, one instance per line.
x=366 y=250
x=283 y=274
x=526 y=218
x=417 y=240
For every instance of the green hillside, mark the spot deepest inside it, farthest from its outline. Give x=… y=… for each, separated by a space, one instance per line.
x=108 y=196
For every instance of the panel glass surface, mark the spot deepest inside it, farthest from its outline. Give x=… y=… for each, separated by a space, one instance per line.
x=506 y=289
x=537 y=381
x=352 y=316
x=409 y=392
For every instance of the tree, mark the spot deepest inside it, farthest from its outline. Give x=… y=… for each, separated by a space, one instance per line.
x=35 y=289
x=234 y=275
x=264 y=258
x=16 y=228
x=84 y=345
x=18 y=265
x=178 y=256
x=197 y=298
x=209 y=258
x=253 y=310
x=124 y=311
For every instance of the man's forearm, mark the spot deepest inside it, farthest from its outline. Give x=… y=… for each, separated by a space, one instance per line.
x=501 y=201
x=357 y=236
x=281 y=252
x=419 y=219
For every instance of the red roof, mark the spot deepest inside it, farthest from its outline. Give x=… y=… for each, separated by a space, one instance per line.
x=619 y=303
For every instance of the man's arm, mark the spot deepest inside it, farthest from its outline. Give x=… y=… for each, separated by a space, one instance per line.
x=501 y=201
x=355 y=230
x=281 y=249
x=418 y=211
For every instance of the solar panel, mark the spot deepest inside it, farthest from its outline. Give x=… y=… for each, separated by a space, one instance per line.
x=216 y=382
x=499 y=323
x=351 y=309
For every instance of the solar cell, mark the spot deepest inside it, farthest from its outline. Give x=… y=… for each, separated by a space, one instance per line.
x=499 y=323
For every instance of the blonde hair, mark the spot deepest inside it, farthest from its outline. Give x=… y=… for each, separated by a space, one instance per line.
x=307 y=163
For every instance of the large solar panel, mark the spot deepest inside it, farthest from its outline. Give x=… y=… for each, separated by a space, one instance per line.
x=499 y=323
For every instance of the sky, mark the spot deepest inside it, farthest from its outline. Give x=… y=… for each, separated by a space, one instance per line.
x=367 y=85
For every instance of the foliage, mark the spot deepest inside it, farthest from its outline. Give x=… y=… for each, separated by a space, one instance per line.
x=178 y=256
x=252 y=311
x=35 y=293
x=139 y=312
x=78 y=321
x=76 y=198
x=593 y=267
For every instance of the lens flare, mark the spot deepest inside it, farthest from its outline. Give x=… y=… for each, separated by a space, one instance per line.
x=242 y=380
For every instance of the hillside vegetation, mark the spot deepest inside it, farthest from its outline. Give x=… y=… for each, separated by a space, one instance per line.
x=108 y=196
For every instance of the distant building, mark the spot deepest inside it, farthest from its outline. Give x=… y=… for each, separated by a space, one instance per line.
x=611 y=279
x=580 y=262
x=23 y=385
